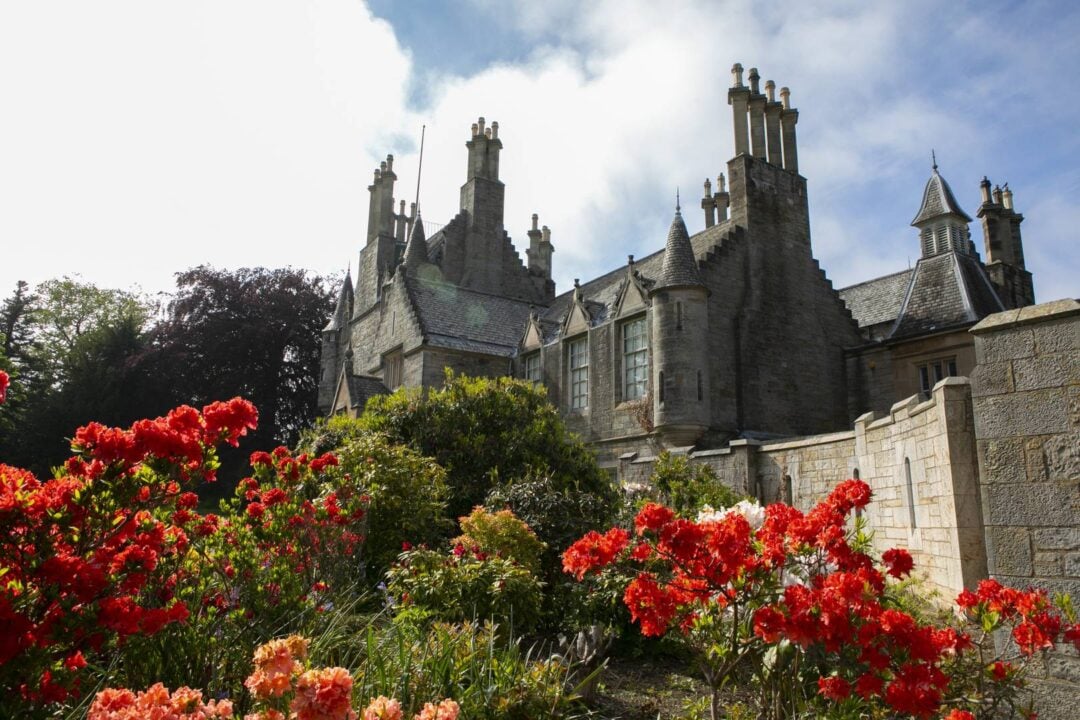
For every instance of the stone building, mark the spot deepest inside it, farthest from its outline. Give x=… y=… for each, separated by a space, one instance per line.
x=693 y=345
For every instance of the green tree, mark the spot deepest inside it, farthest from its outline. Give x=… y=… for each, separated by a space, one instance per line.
x=488 y=431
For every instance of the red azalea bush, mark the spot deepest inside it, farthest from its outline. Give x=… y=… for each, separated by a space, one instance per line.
x=796 y=599
x=90 y=557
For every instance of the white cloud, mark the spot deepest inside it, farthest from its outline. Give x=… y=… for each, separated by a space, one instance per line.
x=149 y=138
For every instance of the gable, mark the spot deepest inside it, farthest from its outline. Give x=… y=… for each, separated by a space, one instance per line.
x=533 y=338
x=632 y=299
x=577 y=321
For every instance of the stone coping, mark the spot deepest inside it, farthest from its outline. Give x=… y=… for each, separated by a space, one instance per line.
x=808 y=441
x=1027 y=315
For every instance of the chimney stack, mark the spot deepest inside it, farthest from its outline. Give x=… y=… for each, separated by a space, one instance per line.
x=739 y=100
x=757 y=116
x=708 y=204
x=772 y=125
x=723 y=199
x=789 y=117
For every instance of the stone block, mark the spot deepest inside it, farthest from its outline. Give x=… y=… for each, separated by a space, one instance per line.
x=1032 y=505
x=1036 y=412
x=1063 y=538
x=1070 y=565
x=1063 y=667
x=1053 y=458
x=1009 y=551
x=1047 y=564
x=1005 y=345
x=1047 y=371
x=1062 y=336
x=1001 y=460
x=992 y=379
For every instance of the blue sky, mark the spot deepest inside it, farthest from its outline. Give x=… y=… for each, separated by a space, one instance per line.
x=139 y=139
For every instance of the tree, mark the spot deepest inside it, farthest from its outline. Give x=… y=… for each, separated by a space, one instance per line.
x=251 y=332
x=488 y=431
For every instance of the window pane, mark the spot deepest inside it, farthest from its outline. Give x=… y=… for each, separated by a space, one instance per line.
x=635 y=359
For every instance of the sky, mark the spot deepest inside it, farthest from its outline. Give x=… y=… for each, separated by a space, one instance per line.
x=139 y=138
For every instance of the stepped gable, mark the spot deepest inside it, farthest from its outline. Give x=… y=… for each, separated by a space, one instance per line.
x=343 y=309
x=877 y=301
x=454 y=317
x=938 y=200
x=947 y=291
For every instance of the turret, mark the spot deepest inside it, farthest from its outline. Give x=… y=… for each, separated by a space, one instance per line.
x=942 y=225
x=680 y=322
x=416 y=251
x=1004 y=247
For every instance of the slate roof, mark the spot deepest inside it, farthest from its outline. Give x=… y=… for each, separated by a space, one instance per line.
x=946 y=291
x=938 y=200
x=461 y=319
x=604 y=290
x=877 y=301
x=340 y=318
x=363 y=387
x=680 y=267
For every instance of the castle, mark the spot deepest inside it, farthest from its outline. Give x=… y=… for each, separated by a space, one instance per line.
x=943 y=386
x=730 y=334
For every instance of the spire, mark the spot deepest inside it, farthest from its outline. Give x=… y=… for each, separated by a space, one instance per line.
x=343 y=309
x=416 y=252
x=938 y=199
x=680 y=266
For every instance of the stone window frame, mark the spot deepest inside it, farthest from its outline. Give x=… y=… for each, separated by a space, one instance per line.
x=939 y=367
x=641 y=359
x=531 y=368
x=577 y=373
x=393 y=369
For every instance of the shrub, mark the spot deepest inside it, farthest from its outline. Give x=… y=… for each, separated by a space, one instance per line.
x=466 y=585
x=487 y=430
x=407 y=491
x=500 y=534
x=688 y=487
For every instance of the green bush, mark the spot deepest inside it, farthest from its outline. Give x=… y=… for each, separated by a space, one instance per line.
x=408 y=491
x=487 y=430
x=503 y=535
x=687 y=487
x=462 y=585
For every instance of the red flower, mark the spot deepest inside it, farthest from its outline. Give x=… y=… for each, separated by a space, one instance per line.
x=869 y=686
x=4 y=382
x=768 y=624
x=959 y=715
x=652 y=517
x=650 y=604
x=834 y=688
x=899 y=562
x=594 y=551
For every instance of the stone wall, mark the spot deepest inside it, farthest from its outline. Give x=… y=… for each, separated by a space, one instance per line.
x=1026 y=395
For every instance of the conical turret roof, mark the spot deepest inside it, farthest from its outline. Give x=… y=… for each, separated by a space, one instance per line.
x=938 y=200
x=343 y=309
x=416 y=251
x=680 y=267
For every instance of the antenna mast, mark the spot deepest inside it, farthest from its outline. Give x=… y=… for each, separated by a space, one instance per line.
x=419 y=167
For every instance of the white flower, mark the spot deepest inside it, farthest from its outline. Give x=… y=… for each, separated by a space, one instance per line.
x=754 y=513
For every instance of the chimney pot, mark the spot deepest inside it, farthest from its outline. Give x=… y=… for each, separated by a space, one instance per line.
x=736 y=75
x=547 y=233
x=390 y=162
x=480 y=125
x=495 y=129
x=475 y=130
x=770 y=90
x=754 y=78
x=785 y=98
x=535 y=218
x=997 y=195
x=1006 y=196
x=984 y=188
x=721 y=183
x=487 y=133
x=377 y=175
x=708 y=187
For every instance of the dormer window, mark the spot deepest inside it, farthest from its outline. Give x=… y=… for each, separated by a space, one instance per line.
x=531 y=367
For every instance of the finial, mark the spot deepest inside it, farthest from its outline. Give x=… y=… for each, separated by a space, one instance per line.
x=678 y=206
x=629 y=259
x=577 y=283
x=933 y=159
